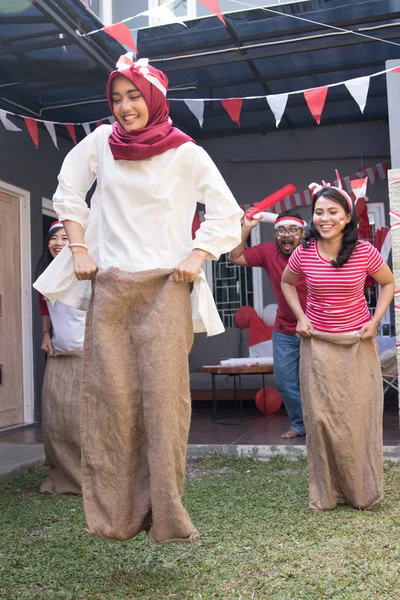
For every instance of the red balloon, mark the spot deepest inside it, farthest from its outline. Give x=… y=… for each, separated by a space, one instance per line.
x=242 y=316
x=268 y=400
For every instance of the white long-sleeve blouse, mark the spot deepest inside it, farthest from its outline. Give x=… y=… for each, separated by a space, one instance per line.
x=141 y=217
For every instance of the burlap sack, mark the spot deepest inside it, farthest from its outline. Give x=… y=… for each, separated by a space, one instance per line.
x=61 y=422
x=136 y=406
x=342 y=399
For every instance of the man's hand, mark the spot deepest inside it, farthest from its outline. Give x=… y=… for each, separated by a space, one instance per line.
x=251 y=223
x=84 y=266
x=188 y=269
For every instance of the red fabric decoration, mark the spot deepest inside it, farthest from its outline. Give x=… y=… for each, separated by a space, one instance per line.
x=258 y=330
x=98 y=123
x=316 y=100
x=242 y=316
x=364 y=228
x=121 y=33
x=213 y=6
x=32 y=127
x=268 y=400
x=195 y=225
x=396 y=70
x=71 y=130
x=158 y=136
x=233 y=107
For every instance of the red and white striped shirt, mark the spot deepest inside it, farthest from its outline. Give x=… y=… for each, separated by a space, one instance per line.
x=335 y=297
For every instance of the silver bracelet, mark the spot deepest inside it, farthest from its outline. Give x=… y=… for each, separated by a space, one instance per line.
x=78 y=245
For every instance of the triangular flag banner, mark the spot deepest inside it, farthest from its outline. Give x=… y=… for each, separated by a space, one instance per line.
x=9 y=125
x=197 y=108
x=32 y=127
x=111 y=120
x=52 y=131
x=316 y=100
x=87 y=129
x=71 y=130
x=396 y=70
x=277 y=103
x=213 y=5
x=358 y=88
x=359 y=187
x=98 y=123
x=121 y=33
x=233 y=107
x=162 y=13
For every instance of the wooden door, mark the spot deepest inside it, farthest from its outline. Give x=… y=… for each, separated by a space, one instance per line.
x=11 y=387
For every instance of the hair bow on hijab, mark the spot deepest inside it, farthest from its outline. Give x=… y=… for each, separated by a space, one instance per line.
x=141 y=66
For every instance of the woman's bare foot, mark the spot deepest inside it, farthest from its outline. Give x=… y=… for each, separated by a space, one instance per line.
x=290 y=434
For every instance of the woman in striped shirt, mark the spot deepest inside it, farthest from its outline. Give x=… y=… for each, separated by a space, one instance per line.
x=341 y=386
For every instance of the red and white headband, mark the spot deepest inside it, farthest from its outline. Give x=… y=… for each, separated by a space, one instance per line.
x=289 y=220
x=317 y=187
x=126 y=62
x=54 y=225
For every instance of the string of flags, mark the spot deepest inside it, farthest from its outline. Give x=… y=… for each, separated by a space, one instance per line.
x=314 y=97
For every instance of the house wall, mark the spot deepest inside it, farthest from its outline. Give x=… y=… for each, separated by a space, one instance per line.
x=256 y=165
x=36 y=171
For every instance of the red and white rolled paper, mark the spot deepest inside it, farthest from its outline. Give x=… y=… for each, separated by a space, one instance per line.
x=269 y=201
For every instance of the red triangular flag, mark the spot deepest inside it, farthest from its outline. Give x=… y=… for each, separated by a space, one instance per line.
x=71 y=130
x=396 y=70
x=32 y=127
x=98 y=123
x=213 y=5
x=233 y=107
x=316 y=101
x=121 y=33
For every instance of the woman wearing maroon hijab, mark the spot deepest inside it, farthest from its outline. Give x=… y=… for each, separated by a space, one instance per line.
x=149 y=295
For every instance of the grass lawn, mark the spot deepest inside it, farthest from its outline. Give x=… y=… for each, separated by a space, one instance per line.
x=258 y=540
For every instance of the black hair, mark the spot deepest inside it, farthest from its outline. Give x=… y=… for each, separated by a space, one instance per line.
x=350 y=231
x=46 y=257
x=289 y=213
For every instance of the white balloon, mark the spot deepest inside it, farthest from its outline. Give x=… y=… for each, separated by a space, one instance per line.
x=269 y=314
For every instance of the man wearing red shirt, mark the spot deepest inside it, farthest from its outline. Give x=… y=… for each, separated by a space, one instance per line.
x=273 y=258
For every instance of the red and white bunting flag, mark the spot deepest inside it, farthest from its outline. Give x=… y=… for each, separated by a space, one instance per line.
x=371 y=175
x=277 y=103
x=359 y=187
x=9 y=125
x=358 y=88
x=163 y=14
x=213 y=5
x=316 y=101
x=52 y=132
x=86 y=127
x=233 y=107
x=71 y=130
x=32 y=127
x=98 y=123
x=197 y=108
x=121 y=33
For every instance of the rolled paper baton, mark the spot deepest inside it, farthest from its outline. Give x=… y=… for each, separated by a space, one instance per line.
x=277 y=196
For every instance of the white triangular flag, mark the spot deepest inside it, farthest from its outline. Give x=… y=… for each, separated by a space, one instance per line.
x=87 y=129
x=7 y=123
x=197 y=108
x=51 y=129
x=162 y=13
x=111 y=120
x=358 y=88
x=277 y=103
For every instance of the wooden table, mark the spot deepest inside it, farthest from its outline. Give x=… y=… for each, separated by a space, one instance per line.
x=233 y=372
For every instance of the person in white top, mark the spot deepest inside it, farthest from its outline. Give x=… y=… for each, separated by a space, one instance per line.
x=63 y=329
x=149 y=295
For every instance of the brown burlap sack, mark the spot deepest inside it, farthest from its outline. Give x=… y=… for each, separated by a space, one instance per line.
x=61 y=422
x=136 y=406
x=342 y=399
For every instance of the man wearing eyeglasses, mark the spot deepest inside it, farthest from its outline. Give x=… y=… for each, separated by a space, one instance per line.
x=273 y=258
